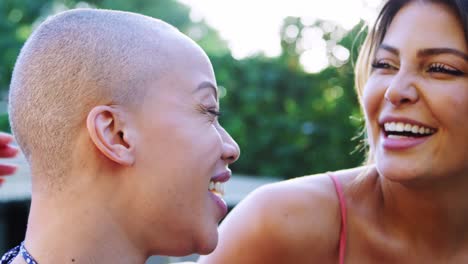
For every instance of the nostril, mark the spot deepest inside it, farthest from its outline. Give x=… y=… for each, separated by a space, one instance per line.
x=405 y=100
x=400 y=99
x=231 y=159
x=231 y=153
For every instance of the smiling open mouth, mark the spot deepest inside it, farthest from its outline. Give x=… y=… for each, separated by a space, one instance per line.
x=405 y=130
x=216 y=188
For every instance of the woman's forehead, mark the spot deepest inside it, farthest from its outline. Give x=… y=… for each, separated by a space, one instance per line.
x=433 y=23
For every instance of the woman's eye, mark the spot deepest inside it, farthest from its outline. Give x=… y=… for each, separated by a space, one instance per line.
x=384 y=65
x=214 y=112
x=443 y=68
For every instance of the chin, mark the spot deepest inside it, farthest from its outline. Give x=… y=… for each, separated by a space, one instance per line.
x=205 y=250
x=195 y=248
x=207 y=244
x=401 y=172
x=187 y=243
x=202 y=244
x=395 y=169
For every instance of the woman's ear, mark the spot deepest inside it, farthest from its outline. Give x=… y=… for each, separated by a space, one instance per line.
x=109 y=131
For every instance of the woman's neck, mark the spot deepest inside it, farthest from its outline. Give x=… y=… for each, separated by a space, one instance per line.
x=433 y=211
x=77 y=231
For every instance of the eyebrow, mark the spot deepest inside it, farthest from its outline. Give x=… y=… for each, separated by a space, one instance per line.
x=390 y=49
x=428 y=52
x=438 y=51
x=207 y=84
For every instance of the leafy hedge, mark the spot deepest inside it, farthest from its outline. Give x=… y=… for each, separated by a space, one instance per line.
x=4 y=123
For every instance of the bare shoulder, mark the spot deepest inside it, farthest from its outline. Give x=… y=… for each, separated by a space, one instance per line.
x=293 y=221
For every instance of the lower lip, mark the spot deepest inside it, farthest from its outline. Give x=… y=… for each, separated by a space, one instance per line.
x=402 y=143
x=220 y=203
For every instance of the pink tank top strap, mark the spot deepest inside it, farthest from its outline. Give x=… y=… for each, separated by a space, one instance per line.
x=342 y=201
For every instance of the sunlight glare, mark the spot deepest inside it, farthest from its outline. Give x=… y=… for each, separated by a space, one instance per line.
x=253 y=26
x=315 y=60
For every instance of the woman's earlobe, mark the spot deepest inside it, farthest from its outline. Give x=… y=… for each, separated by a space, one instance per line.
x=107 y=129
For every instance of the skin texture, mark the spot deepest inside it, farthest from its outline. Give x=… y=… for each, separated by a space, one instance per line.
x=137 y=182
x=410 y=206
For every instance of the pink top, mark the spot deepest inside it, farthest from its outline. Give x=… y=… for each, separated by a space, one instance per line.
x=342 y=201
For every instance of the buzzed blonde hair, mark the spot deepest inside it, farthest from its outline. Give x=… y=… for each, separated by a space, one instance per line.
x=72 y=62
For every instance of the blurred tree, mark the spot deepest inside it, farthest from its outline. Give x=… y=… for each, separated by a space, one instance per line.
x=16 y=20
x=288 y=122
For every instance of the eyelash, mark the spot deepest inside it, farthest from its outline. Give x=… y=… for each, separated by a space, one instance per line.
x=441 y=68
x=433 y=68
x=214 y=112
x=382 y=65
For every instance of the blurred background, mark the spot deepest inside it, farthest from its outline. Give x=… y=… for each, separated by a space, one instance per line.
x=284 y=69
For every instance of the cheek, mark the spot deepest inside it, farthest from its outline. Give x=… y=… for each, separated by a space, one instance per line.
x=199 y=152
x=460 y=103
x=208 y=142
x=372 y=97
x=439 y=98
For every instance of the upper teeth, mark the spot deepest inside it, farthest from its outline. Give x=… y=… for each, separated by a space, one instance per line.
x=404 y=127
x=216 y=187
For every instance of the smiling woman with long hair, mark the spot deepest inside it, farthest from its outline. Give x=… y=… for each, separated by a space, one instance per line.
x=408 y=205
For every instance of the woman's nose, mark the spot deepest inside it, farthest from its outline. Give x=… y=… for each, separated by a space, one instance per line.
x=402 y=90
x=231 y=150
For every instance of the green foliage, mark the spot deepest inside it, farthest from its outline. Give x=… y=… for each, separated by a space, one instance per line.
x=287 y=122
x=16 y=20
x=4 y=123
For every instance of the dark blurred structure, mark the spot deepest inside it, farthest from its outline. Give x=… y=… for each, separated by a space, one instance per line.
x=13 y=220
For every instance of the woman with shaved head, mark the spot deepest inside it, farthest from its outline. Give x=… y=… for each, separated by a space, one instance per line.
x=117 y=115
x=410 y=204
